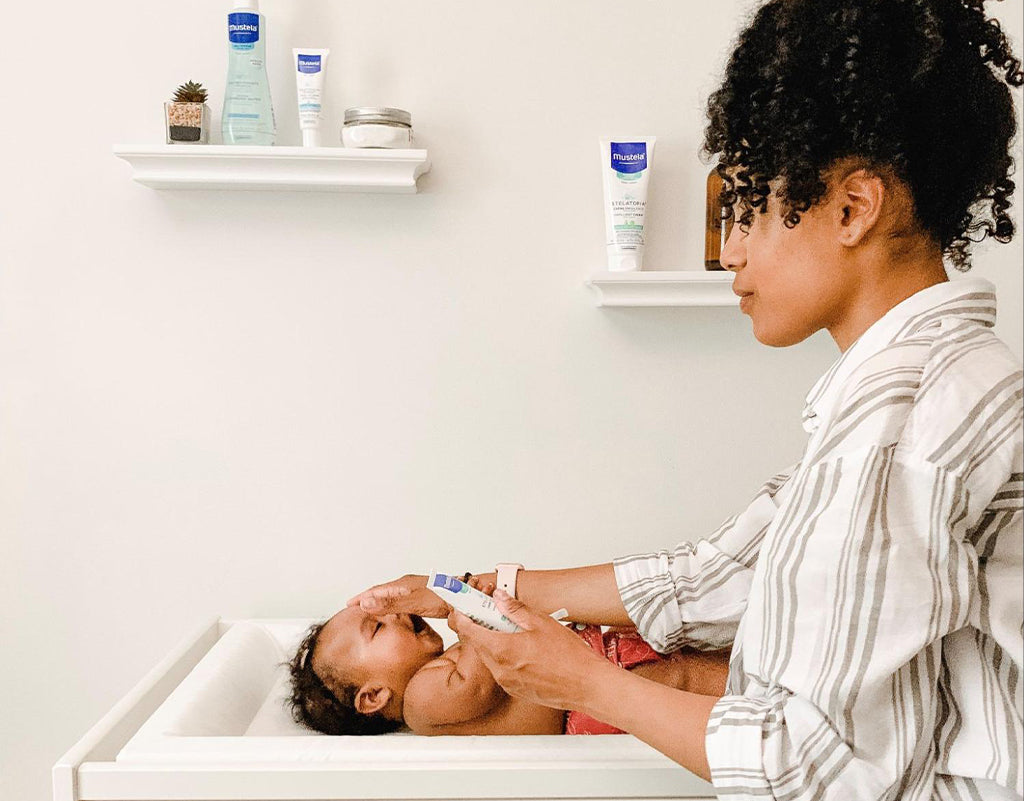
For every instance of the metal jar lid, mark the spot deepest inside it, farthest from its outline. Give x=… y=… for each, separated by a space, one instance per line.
x=382 y=115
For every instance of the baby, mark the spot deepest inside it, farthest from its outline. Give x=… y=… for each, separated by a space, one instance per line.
x=361 y=673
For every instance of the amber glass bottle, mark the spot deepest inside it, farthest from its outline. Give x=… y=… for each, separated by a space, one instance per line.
x=716 y=228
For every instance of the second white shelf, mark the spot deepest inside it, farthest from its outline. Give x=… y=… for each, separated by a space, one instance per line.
x=664 y=288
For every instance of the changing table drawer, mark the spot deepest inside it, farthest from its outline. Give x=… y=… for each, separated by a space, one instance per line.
x=209 y=722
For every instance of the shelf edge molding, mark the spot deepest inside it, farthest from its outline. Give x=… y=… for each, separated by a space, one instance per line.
x=306 y=169
x=663 y=288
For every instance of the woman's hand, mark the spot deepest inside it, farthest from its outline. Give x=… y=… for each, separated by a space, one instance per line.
x=407 y=595
x=544 y=663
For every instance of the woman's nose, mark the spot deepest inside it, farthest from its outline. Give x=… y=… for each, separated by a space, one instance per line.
x=734 y=252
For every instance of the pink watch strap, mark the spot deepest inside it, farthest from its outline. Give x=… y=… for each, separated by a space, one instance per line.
x=507 y=573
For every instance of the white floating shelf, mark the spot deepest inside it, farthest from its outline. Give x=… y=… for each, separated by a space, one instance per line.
x=664 y=288
x=305 y=169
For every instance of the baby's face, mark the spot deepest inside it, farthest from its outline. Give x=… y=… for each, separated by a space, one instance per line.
x=386 y=649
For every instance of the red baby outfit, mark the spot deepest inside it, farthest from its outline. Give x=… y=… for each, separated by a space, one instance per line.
x=625 y=648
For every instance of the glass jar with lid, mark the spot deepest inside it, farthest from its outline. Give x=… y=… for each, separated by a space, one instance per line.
x=377 y=126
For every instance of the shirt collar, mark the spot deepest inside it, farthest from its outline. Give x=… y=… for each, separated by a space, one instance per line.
x=963 y=299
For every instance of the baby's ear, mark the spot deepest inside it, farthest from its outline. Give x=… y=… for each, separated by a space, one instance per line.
x=372 y=698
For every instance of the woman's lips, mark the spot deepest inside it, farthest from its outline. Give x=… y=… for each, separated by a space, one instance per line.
x=746 y=298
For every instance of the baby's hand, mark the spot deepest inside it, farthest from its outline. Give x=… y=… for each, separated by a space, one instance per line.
x=477 y=584
x=472 y=670
x=455 y=688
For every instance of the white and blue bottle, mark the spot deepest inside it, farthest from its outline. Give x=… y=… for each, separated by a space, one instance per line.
x=248 y=115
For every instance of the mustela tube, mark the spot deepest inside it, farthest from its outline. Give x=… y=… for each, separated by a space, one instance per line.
x=310 y=66
x=626 y=166
x=477 y=606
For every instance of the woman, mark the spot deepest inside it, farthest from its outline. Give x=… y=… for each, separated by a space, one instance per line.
x=871 y=593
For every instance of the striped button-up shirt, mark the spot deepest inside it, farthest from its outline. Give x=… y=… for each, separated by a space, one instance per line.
x=872 y=593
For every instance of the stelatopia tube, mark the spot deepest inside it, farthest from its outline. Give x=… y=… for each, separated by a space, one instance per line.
x=626 y=166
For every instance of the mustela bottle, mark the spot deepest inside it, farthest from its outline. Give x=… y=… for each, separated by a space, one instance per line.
x=248 y=115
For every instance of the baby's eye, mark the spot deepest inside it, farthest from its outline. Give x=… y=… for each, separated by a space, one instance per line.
x=377 y=627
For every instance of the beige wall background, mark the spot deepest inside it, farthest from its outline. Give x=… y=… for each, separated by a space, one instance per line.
x=255 y=404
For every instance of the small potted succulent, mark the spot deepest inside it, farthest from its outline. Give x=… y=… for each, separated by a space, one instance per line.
x=188 y=116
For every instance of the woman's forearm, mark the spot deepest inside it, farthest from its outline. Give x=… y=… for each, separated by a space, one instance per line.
x=590 y=594
x=670 y=720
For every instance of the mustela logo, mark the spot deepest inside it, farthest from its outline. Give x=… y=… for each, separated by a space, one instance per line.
x=629 y=157
x=309 y=64
x=243 y=27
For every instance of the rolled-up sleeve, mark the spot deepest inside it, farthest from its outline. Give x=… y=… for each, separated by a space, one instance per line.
x=695 y=594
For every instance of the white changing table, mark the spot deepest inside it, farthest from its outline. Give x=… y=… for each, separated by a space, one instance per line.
x=208 y=722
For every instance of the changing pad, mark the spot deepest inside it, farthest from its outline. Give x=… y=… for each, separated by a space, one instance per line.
x=227 y=726
x=233 y=707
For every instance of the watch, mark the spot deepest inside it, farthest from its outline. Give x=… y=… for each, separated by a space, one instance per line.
x=507 y=573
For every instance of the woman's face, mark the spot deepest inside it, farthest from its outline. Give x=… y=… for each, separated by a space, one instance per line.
x=790 y=280
x=375 y=650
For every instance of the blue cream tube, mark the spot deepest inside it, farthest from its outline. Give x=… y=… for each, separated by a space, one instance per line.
x=477 y=606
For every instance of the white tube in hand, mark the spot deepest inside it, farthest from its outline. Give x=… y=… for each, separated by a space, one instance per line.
x=477 y=606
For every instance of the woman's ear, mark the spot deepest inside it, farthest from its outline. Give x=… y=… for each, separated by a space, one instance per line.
x=859 y=198
x=372 y=698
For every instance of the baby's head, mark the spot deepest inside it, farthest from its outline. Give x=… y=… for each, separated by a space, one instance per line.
x=349 y=673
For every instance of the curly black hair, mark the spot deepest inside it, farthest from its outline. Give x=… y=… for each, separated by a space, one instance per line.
x=916 y=89
x=330 y=711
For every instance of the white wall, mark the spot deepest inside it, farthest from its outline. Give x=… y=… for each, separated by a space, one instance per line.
x=254 y=404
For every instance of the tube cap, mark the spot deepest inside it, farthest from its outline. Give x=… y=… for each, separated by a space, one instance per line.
x=310 y=138
x=623 y=262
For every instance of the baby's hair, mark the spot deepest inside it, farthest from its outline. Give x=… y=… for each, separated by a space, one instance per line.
x=319 y=707
x=917 y=89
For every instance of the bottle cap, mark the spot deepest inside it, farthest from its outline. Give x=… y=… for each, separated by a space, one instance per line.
x=310 y=137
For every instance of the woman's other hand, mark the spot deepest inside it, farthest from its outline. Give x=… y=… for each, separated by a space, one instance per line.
x=544 y=663
x=407 y=595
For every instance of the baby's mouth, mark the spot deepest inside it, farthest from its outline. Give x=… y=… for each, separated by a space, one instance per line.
x=418 y=623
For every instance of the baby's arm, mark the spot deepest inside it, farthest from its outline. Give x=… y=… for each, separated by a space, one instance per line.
x=455 y=688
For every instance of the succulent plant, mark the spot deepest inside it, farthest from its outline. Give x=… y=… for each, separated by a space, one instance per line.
x=190 y=92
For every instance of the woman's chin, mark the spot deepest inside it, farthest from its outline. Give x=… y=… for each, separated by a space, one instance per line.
x=776 y=337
